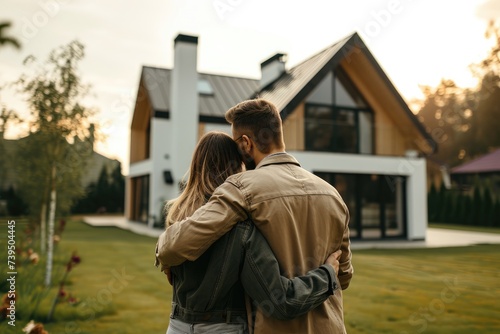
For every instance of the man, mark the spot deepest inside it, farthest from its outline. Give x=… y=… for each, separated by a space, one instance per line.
x=303 y=218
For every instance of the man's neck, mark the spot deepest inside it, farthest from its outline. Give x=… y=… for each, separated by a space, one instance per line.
x=260 y=156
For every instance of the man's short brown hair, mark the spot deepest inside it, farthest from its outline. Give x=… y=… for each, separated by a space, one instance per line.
x=259 y=119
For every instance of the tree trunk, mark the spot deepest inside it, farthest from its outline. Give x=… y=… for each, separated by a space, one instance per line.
x=43 y=228
x=52 y=216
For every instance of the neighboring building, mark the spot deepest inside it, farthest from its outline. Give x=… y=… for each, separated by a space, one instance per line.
x=93 y=169
x=485 y=169
x=342 y=117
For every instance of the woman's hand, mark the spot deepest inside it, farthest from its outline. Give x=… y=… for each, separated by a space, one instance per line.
x=333 y=260
x=167 y=272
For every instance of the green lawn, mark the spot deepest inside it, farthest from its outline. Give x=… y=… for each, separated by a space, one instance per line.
x=446 y=290
x=450 y=290
x=119 y=288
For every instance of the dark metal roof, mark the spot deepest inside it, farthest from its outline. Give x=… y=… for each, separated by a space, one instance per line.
x=488 y=163
x=291 y=88
x=228 y=91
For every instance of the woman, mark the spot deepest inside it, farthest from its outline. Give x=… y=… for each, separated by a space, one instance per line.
x=209 y=293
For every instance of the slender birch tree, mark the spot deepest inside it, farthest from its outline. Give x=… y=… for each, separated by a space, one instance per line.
x=61 y=136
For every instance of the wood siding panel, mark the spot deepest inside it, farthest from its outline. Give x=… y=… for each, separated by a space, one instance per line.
x=293 y=129
x=201 y=131
x=388 y=139
x=128 y=198
x=139 y=135
x=394 y=133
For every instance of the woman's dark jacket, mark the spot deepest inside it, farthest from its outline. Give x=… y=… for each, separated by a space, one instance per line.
x=212 y=288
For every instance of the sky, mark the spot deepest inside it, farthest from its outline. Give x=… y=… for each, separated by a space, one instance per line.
x=416 y=42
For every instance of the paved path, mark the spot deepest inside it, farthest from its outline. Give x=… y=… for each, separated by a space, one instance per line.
x=436 y=237
x=121 y=222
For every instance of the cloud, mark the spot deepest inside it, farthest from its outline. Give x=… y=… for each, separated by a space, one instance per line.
x=489 y=10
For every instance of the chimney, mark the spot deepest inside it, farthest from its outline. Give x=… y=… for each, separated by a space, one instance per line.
x=272 y=69
x=183 y=104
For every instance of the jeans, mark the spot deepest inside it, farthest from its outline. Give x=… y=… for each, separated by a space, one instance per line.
x=179 y=327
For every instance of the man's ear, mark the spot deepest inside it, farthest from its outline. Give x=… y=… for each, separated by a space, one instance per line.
x=248 y=144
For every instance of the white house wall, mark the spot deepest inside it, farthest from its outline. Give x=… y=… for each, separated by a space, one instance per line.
x=159 y=191
x=162 y=160
x=416 y=194
x=414 y=169
x=183 y=107
x=140 y=168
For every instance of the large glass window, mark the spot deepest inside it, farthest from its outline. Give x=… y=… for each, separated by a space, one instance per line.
x=140 y=198
x=338 y=129
x=337 y=119
x=375 y=203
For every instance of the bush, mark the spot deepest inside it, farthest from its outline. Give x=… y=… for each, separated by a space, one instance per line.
x=448 y=206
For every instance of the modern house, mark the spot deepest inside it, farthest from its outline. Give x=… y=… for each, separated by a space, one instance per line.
x=343 y=120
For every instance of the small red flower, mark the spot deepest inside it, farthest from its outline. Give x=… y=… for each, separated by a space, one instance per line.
x=72 y=300
x=75 y=259
x=62 y=293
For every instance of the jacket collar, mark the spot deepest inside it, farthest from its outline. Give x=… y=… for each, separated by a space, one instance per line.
x=278 y=158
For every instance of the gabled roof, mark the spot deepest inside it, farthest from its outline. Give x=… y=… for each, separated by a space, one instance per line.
x=294 y=86
x=228 y=91
x=489 y=163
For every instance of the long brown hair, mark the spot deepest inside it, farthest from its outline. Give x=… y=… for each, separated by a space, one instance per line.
x=214 y=159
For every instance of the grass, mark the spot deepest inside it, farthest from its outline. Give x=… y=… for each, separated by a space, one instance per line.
x=119 y=289
x=447 y=290
x=442 y=290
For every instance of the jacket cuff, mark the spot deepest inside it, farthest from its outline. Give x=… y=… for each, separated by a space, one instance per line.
x=333 y=282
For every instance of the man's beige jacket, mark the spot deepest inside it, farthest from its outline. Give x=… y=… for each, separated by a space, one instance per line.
x=303 y=218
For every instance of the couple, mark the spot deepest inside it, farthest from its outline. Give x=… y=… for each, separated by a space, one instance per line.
x=231 y=235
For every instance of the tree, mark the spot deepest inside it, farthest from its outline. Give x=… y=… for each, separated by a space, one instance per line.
x=446 y=113
x=465 y=122
x=103 y=192
x=7 y=40
x=491 y=64
x=117 y=190
x=15 y=204
x=477 y=200
x=7 y=117
x=107 y=194
x=61 y=137
x=432 y=198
